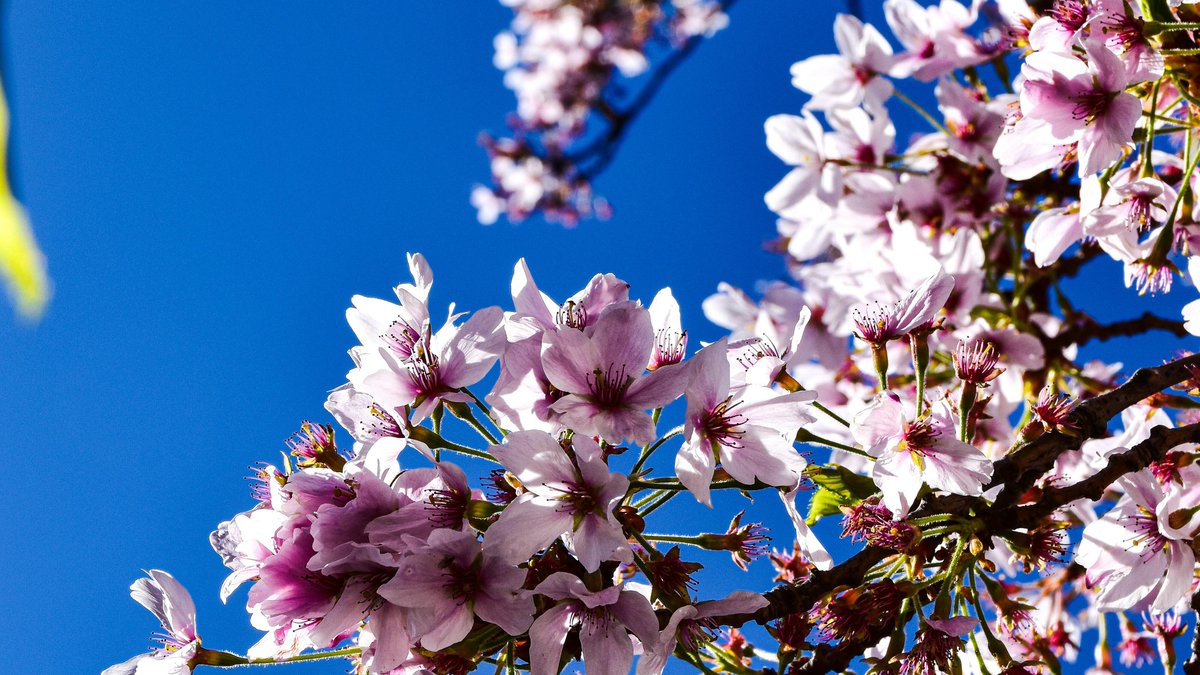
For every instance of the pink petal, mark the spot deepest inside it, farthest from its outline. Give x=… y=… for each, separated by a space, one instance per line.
x=694 y=464
x=624 y=338
x=546 y=638
x=569 y=358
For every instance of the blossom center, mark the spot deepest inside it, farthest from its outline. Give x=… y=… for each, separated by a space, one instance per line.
x=1091 y=104
x=571 y=315
x=608 y=386
x=723 y=425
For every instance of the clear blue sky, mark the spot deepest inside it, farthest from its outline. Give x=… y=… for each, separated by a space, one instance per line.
x=211 y=182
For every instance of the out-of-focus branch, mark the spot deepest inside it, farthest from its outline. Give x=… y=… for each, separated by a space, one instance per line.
x=1085 y=329
x=605 y=148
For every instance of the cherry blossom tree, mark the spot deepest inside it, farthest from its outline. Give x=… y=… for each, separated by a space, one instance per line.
x=495 y=497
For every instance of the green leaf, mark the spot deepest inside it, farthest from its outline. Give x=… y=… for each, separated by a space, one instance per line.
x=1157 y=10
x=836 y=487
x=842 y=481
x=824 y=503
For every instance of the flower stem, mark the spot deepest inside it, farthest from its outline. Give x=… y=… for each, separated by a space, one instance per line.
x=464 y=414
x=806 y=436
x=1156 y=27
x=219 y=659
x=995 y=646
x=923 y=112
x=662 y=501
x=832 y=415
x=649 y=449
x=951 y=571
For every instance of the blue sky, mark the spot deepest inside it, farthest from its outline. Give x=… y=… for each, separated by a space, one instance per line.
x=211 y=182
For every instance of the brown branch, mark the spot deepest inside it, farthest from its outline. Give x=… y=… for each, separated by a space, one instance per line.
x=1192 y=665
x=1085 y=329
x=1017 y=472
x=792 y=598
x=1135 y=459
x=832 y=659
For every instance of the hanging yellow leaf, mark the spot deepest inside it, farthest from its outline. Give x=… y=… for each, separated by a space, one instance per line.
x=21 y=261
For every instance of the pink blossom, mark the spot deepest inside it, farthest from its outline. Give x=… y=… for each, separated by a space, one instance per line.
x=691 y=626
x=934 y=37
x=523 y=394
x=670 y=339
x=878 y=323
x=853 y=75
x=449 y=581
x=1060 y=28
x=1133 y=206
x=751 y=430
x=806 y=541
x=602 y=375
x=536 y=312
x=171 y=604
x=567 y=495
x=1139 y=555
x=605 y=619
x=1083 y=102
x=911 y=453
x=403 y=362
x=1122 y=28
x=813 y=183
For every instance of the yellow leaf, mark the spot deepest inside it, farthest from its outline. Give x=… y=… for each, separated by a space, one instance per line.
x=21 y=261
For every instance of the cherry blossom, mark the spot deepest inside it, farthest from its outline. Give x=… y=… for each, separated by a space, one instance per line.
x=172 y=605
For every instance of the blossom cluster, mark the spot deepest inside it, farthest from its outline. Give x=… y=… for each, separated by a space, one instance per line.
x=924 y=379
x=570 y=63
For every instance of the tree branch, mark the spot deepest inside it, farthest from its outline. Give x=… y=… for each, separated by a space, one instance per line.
x=1136 y=458
x=1192 y=665
x=1087 y=329
x=1017 y=472
x=604 y=148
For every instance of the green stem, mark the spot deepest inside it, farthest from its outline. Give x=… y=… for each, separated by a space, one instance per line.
x=649 y=498
x=483 y=409
x=695 y=540
x=995 y=646
x=931 y=520
x=834 y=416
x=1166 y=238
x=806 y=436
x=649 y=485
x=472 y=452
x=470 y=419
x=662 y=501
x=921 y=111
x=951 y=571
x=649 y=449
x=1148 y=148
x=965 y=405
x=228 y=660
x=679 y=487
x=1156 y=27
x=919 y=346
x=975 y=643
